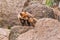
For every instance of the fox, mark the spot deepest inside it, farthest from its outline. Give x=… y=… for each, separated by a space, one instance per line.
x=26 y=19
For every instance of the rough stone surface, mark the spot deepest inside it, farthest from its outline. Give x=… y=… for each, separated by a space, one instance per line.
x=4 y=33
x=40 y=1
x=18 y=30
x=57 y=14
x=33 y=2
x=29 y=35
x=9 y=10
x=39 y=10
x=46 y=29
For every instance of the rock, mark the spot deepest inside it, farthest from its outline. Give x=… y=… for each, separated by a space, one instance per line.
x=46 y=29
x=40 y=1
x=57 y=14
x=4 y=33
x=18 y=30
x=33 y=2
x=29 y=35
x=9 y=10
x=39 y=10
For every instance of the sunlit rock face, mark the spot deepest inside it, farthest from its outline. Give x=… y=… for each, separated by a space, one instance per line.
x=4 y=33
x=18 y=30
x=46 y=29
x=9 y=10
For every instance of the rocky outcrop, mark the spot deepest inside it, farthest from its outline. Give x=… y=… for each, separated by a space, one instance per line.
x=18 y=30
x=46 y=29
x=39 y=10
x=4 y=33
x=9 y=10
x=29 y=35
x=57 y=14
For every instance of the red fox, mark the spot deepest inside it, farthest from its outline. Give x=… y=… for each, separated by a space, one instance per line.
x=26 y=19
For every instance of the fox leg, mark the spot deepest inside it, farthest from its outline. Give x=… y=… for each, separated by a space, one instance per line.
x=28 y=23
x=22 y=22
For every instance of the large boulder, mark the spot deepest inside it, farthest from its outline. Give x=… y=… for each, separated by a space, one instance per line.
x=46 y=29
x=39 y=10
x=18 y=30
x=9 y=10
x=4 y=33
x=29 y=35
x=33 y=2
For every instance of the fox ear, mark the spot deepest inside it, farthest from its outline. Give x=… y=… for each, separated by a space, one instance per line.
x=25 y=12
x=20 y=13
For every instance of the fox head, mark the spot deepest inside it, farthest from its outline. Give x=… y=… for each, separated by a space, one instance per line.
x=23 y=14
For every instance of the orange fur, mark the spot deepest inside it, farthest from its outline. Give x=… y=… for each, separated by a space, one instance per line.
x=27 y=17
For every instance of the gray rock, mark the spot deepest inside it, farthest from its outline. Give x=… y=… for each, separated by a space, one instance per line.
x=46 y=29
x=18 y=30
x=9 y=10
x=39 y=10
x=4 y=33
x=57 y=14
